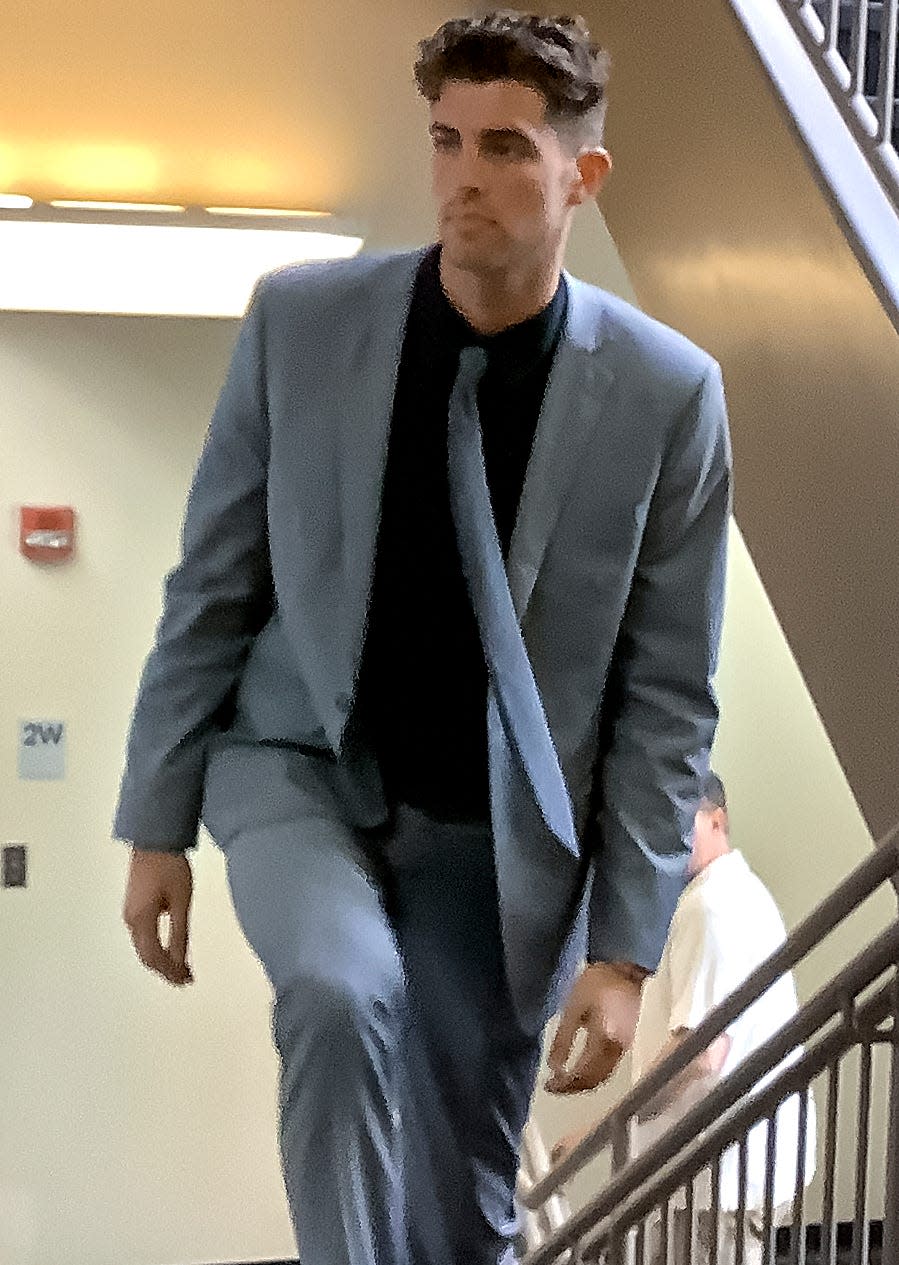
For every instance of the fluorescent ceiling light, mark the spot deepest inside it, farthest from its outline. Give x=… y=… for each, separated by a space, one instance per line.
x=266 y=210
x=114 y=206
x=147 y=269
x=15 y=202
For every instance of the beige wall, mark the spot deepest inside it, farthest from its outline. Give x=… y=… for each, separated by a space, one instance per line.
x=136 y=1123
x=140 y=1123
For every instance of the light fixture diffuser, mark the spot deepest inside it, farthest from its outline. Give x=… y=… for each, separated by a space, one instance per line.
x=170 y=269
x=267 y=211
x=159 y=208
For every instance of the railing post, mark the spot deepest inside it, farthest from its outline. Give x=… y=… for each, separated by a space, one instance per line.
x=886 y=82
x=890 y=1255
x=621 y=1247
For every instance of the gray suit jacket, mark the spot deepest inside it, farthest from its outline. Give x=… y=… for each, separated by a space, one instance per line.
x=616 y=569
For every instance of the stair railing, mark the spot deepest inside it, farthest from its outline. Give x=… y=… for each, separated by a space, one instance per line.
x=865 y=94
x=856 y=1010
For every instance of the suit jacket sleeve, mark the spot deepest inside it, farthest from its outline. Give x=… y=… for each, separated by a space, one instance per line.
x=215 y=600
x=661 y=711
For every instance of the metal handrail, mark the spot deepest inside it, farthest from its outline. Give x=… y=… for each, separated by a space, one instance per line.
x=871 y=119
x=734 y=1125
x=827 y=1004
x=726 y=1110
x=553 y=1213
x=882 y=865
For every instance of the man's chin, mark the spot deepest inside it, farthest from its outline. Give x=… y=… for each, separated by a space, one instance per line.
x=468 y=256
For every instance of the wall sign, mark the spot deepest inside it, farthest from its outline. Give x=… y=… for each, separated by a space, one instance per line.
x=42 y=750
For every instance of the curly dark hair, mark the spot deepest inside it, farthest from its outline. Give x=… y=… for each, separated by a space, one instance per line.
x=555 y=56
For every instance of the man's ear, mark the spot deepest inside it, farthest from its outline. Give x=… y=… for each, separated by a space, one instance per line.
x=593 y=166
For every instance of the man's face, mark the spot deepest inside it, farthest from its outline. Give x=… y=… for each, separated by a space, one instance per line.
x=504 y=184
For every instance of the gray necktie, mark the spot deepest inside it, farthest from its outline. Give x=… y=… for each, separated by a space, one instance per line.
x=509 y=668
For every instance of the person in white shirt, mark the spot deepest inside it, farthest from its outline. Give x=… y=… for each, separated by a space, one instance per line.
x=725 y=925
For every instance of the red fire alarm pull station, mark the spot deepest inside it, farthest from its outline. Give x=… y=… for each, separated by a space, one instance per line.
x=47 y=532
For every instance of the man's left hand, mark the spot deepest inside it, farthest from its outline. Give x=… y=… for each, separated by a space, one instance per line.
x=605 y=1003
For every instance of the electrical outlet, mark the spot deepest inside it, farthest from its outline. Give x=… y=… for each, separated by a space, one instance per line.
x=15 y=865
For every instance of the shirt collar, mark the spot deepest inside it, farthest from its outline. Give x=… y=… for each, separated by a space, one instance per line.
x=513 y=352
x=733 y=860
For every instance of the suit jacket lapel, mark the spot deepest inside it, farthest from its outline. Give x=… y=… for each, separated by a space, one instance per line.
x=577 y=384
x=366 y=387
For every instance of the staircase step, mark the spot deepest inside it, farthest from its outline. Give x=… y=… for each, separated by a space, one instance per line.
x=845 y=1231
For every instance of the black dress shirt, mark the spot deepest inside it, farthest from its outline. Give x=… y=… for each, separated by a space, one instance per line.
x=422 y=695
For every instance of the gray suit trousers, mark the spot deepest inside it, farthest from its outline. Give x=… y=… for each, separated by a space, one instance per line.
x=405 y=1079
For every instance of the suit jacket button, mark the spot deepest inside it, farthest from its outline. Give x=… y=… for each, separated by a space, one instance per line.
x=343 y=703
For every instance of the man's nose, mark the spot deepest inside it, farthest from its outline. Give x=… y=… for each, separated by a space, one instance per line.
x=469 y=169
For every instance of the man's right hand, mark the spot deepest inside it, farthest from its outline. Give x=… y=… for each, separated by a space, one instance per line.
x=160 y=883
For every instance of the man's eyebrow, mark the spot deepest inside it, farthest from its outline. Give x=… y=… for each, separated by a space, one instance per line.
x=487 y=133
x=506 y=133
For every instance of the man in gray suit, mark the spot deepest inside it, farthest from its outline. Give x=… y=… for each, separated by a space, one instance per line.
x=434 y=668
